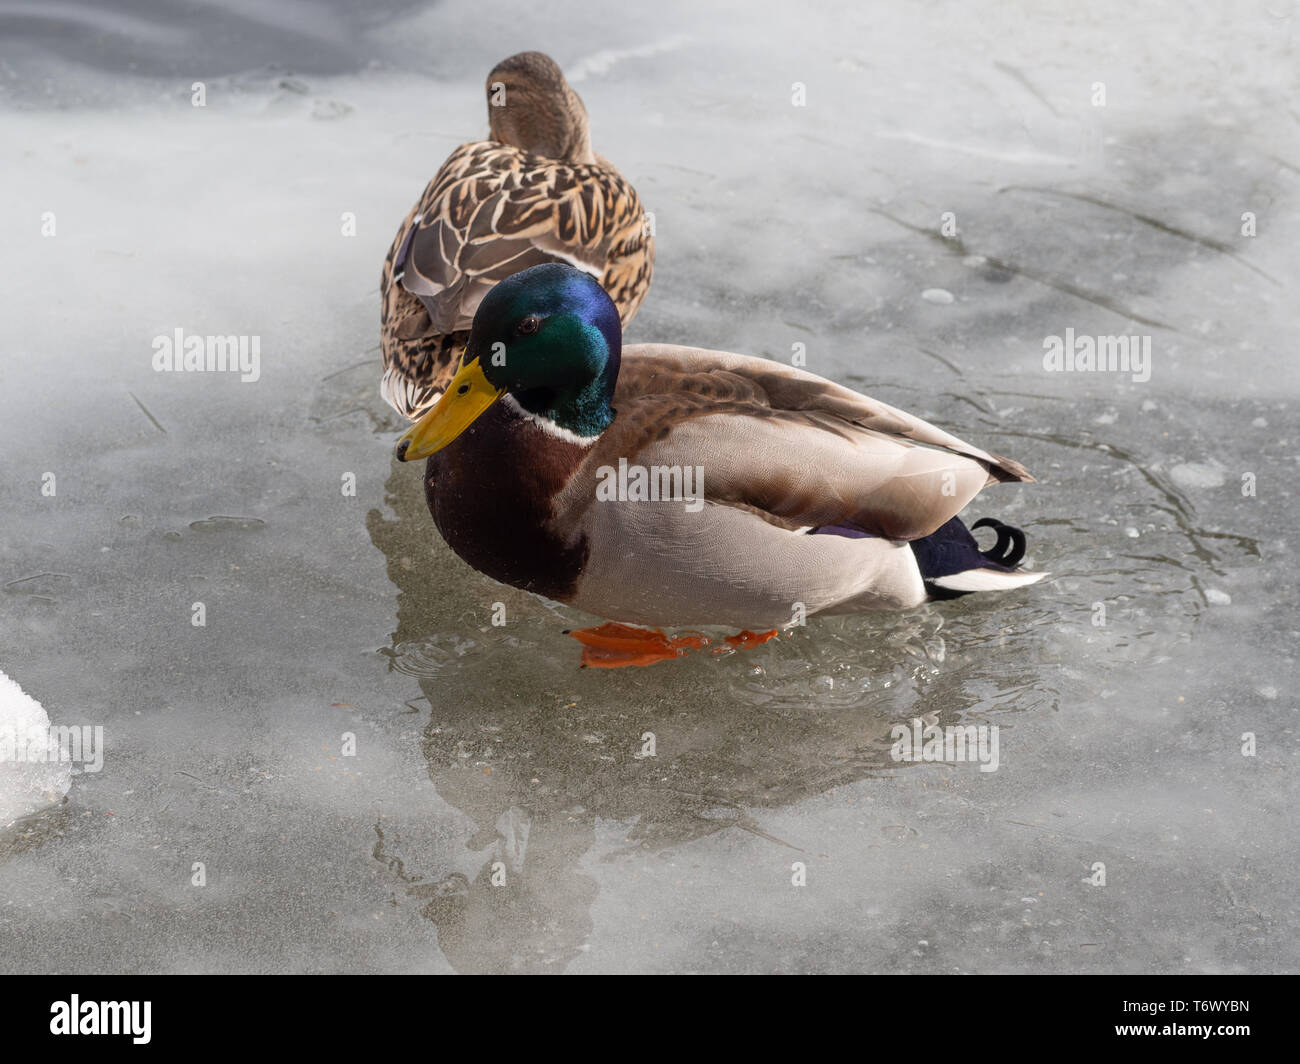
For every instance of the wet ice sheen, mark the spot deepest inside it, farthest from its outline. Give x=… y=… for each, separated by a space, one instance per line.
x=484 y=751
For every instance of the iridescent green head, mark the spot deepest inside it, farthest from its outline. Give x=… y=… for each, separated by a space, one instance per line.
x=550 y=337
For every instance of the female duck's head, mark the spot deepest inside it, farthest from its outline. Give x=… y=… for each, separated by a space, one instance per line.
x=532 y=107
x=549 y=337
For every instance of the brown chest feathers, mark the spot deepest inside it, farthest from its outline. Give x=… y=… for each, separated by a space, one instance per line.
x=503 y=530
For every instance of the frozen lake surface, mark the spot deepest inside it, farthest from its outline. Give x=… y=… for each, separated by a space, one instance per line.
x=1165 y=507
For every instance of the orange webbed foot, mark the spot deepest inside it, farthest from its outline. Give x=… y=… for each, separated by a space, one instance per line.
x=617 y=646
x=746 y=640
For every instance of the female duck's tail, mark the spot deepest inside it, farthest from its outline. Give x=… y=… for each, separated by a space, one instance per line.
x=952 y=563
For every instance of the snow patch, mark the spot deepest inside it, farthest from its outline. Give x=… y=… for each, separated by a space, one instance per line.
x=1197 y=475
x=27 y=787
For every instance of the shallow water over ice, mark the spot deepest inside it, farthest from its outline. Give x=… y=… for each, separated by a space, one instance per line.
x=484 y=753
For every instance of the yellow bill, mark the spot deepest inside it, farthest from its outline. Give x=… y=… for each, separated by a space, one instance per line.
x=466 y=397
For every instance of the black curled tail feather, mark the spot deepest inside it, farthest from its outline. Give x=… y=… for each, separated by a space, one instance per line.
x=1008 y=536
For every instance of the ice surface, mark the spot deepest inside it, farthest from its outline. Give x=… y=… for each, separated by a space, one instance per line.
x=329 y=615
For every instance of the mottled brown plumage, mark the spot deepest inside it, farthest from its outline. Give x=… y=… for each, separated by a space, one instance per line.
x=534 y=193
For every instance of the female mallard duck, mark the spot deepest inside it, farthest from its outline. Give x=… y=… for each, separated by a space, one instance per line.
x=663 y=485
x=534 y=193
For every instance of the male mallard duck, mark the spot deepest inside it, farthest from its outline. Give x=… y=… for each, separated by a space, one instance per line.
x=534 y=193
x=779 y=494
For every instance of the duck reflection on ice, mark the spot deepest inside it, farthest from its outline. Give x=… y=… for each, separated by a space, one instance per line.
x=549 y=763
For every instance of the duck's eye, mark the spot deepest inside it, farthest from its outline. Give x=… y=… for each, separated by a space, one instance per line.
x=529 y=325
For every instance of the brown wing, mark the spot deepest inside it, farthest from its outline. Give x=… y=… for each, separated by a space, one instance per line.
x=794 y=449
x=494 y=210
x=491 y=211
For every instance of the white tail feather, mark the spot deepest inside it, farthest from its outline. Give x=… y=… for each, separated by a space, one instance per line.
x=405 y=396
x=986 y=580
